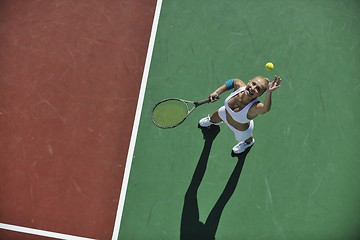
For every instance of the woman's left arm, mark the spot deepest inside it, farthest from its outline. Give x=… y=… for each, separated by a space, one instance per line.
x=262 y=108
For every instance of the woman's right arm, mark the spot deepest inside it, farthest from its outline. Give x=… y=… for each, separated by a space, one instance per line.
x=229 y=84
x=213 y=97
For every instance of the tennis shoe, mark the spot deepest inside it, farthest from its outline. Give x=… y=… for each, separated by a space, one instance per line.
x=206 y=122
x=242 y=146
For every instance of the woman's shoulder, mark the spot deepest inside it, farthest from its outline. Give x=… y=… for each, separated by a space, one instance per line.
x=238 y=83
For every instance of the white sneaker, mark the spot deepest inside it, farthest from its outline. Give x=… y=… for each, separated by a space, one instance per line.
x=242 y=146
x=206 y=122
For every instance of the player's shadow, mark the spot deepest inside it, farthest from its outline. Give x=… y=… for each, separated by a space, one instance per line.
x=191 y=226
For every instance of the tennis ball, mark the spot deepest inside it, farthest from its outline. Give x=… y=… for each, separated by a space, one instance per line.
x=269 y=66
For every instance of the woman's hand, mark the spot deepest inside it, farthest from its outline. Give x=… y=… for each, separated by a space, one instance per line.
x=214 y=96
x=274 y=84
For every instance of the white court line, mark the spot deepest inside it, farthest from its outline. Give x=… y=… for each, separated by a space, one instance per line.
x=129 y=156
x=136 y=122
x=40 y=232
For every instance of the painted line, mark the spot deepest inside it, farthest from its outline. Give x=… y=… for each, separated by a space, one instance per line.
x=41 y=232
x=136 y=122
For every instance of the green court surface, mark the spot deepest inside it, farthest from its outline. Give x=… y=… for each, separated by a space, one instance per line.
x=300 y=179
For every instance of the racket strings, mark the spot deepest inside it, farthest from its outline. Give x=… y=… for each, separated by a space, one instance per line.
x=169 y=113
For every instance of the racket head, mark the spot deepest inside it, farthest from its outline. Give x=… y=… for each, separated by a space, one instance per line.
x=169 y=113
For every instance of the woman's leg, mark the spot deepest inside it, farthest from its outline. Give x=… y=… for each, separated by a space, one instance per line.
x=245 y=139
x=208 y=121
x=215 y=118
x=249 y=140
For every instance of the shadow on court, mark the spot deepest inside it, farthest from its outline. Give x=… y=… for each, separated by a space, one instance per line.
x=191 y=226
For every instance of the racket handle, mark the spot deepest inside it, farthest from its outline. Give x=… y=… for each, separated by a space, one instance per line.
x=204 y=101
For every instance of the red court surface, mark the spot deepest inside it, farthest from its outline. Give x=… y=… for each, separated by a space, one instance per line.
x=20 y=236
x=70 y=74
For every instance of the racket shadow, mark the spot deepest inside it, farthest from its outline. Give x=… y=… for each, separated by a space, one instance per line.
x=191 y=227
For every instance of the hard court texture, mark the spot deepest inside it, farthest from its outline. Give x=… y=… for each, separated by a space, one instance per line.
x=300 y=179
x=70 y=75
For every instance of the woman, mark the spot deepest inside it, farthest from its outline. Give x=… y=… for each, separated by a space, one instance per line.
x=241 y=107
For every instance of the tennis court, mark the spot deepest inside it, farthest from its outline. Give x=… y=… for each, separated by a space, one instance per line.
x=81 y=158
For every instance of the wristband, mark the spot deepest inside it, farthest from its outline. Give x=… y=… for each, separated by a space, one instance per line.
x=229 y=84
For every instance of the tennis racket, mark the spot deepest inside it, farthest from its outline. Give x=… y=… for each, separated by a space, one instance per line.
x=171 y=112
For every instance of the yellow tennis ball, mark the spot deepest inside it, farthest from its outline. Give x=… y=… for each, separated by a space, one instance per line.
x=269 y=66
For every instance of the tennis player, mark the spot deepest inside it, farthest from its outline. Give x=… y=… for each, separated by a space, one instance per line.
x=241 y=107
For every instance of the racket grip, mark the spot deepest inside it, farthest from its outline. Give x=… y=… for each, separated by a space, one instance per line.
x=204 y=101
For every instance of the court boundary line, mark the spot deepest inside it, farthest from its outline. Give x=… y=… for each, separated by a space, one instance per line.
x=38 y=232
x=135 y=129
